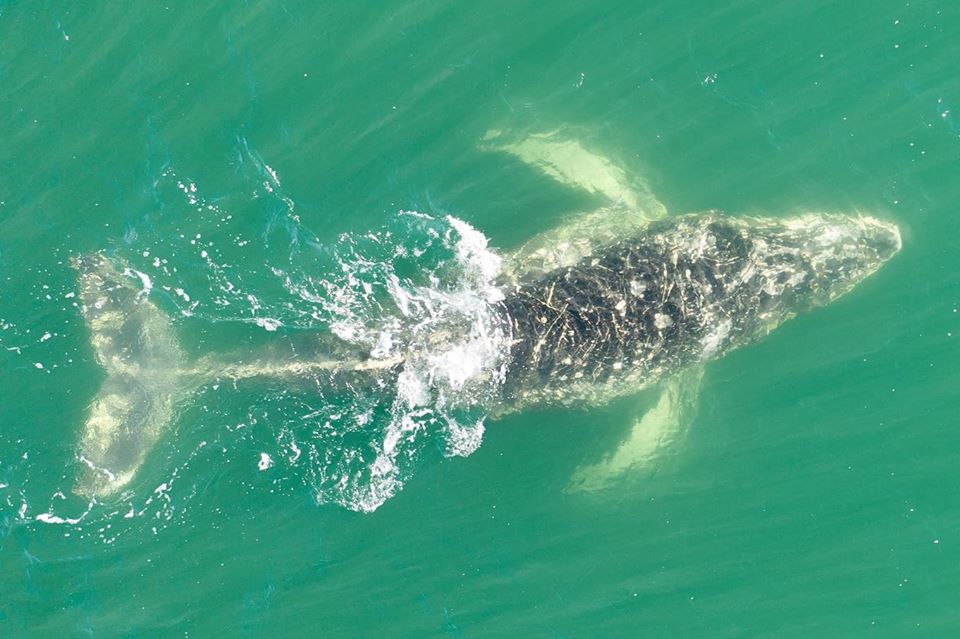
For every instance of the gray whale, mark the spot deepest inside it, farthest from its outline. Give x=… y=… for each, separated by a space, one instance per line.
x=609 y=303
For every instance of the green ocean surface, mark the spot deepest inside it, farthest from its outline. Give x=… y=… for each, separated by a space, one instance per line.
x=814 y=495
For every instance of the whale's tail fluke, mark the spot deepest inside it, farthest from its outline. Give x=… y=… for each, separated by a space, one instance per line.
x=135 y=345
x=148 y=376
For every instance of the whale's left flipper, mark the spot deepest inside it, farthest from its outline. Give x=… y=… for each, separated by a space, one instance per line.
x=564 y=158
x=626 y=203
x=656 y=429
x=135 y=345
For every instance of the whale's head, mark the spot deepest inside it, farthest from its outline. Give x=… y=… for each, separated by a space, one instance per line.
x=773 y=268
x=820 y=256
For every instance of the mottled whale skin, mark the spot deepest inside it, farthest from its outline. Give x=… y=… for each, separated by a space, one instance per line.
x=681 y=292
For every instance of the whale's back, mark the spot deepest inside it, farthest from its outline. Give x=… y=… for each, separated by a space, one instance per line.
x=682 y=291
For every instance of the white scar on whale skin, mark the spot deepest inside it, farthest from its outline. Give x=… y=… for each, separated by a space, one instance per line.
x=614 y=301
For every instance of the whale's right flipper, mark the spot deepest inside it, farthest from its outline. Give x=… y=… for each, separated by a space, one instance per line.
x=627 y=203
x=135 y=345
x=650 y=434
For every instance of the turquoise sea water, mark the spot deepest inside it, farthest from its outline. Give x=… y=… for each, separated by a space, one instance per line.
x=815 y=494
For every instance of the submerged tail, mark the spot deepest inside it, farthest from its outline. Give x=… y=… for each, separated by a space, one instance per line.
x=147 y=375
x=135 y=344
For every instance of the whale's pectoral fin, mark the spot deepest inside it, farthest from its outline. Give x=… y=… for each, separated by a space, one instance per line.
x=628 y=204
x=658 y=427
x=565 y=159
x=135 y=345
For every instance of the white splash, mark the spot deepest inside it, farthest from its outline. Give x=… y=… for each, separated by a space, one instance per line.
x=265 y=462
x=454 y=346
x=145 y=281
x=47 y=518
x=268 y=323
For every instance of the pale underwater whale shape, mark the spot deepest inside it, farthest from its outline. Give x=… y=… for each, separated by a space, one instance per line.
x=613 y=302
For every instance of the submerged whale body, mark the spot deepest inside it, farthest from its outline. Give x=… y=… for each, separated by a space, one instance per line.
x=615 y=301
x=683 y=291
